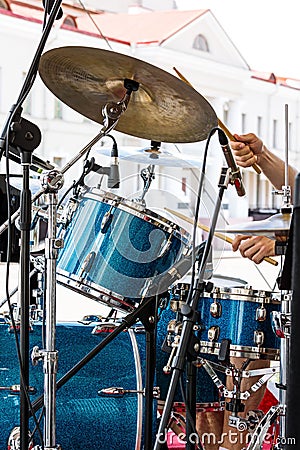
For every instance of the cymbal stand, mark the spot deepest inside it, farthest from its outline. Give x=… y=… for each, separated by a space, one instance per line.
x=148 y=176
x=190 y=313
x=51 y=183
x=112 y=112
x=281 y=323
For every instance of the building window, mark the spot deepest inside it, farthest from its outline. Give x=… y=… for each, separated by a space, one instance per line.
x=259 y=126
x=274 y=139
x=243 y=123
x=58 y=161
x=70 y=22
x=200 y=43
x=290 y=136
x=57 y=109
x=183 y=185
x=4 y=5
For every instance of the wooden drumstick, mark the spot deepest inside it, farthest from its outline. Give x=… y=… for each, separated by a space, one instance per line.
x=217 y=234
x=220 y=123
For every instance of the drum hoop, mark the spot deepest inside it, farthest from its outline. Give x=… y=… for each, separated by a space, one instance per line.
x=236 y=293
x=94 y=291
x=139 y=211
x=241 y=351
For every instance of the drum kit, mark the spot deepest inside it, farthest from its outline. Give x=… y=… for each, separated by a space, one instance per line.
x=132 y=260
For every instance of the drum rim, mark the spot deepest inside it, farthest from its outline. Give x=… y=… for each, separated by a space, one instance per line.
x=244 y=294
x=94 y=291
x=139 y=211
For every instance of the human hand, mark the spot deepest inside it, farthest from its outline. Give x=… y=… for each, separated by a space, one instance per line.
x=247 y=149
x=255 y=248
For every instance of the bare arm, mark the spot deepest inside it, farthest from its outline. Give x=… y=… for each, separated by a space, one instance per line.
x=249 y=149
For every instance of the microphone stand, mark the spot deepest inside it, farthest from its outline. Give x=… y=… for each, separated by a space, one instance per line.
x=190 y=314
x=25 y=137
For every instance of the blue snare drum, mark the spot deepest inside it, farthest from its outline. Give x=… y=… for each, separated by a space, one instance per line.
x=84 y=419
x=243 y=316
x=114 y=248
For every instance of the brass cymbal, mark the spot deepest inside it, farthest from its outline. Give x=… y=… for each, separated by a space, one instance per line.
x=275 y=226
x=147 y=155
x=164 y=108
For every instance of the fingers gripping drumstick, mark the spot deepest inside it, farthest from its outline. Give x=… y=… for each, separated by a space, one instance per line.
x=218 y=235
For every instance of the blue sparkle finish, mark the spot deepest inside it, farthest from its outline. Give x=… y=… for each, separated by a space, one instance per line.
x=84 y=419
x=238 y=321
x=207 y=391
x=118 y=245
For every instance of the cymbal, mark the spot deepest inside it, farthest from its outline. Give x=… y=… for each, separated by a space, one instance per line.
x=163 y=109
x=147 y=155
x=274 y=226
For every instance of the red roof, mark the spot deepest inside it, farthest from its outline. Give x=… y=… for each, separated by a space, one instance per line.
x=292 y=83
x=153 y=27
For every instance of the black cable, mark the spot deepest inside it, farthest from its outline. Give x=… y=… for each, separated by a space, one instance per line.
x=197 y=210
x=91 y=18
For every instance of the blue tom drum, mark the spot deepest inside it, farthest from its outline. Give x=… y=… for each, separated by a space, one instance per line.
x=241 y=315
x=114 y=248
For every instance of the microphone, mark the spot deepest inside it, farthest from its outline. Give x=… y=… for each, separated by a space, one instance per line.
x=48 y=5
x=236 y=177
x=113 y=181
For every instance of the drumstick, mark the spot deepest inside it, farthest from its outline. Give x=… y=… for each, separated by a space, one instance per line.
x=217 y=234
x=220 y=123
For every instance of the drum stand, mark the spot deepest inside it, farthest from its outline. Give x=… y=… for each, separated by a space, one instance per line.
x=52 y=183
x=189 y=312
x=27 y=139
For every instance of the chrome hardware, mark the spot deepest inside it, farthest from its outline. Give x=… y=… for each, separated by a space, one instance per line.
x=213 y=333
x=117 y=392
x=168 y=366
x=261 y=314
x=175 y=305
x=281 y=324
x=165 y=246
x=86 y=266
x=259 y=337
x=107 y=219
x=216 y=309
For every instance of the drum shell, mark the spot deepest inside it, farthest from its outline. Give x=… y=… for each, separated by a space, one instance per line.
x=83 y=418
x=244 y=315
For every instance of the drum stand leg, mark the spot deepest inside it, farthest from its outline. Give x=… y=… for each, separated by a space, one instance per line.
x=49 y=355
x=284 y=361
x=190 y=314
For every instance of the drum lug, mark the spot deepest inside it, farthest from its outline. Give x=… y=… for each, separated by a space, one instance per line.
x=259 y=337
x=216 y=309
x=261 y=313
x=213 y=333
x=165 y=246
x=106 y=221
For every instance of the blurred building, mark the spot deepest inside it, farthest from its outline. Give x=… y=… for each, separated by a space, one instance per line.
x=195 y=43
